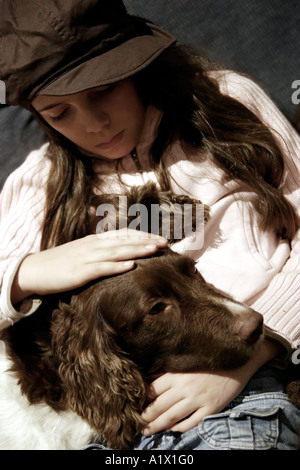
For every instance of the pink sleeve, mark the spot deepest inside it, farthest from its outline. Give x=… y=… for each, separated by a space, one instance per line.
x=21 y=214
x=280 y=301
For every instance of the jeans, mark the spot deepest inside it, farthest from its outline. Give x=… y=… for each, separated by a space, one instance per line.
x=260 y=418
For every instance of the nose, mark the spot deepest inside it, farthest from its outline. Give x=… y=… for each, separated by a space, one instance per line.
x=95 y=121
x=250 y=326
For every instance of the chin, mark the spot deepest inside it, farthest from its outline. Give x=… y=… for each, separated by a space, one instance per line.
x=113 y=154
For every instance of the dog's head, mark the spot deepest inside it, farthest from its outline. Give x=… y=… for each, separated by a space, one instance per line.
x=166 y=318
x=161 y=316
x=103 y=339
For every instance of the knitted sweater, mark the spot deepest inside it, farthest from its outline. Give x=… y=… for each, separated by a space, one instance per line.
x=236 y=257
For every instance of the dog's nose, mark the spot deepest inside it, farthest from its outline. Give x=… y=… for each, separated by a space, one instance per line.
x=250 y=326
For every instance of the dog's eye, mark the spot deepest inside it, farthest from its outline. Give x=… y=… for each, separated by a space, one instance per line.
x=187 y=266
x=159 y=307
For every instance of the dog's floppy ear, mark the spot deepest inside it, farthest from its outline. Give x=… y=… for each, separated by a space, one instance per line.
x=102 y=385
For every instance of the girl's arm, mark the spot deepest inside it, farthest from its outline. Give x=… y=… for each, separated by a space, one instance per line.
x=21 y=215
x=74 y=264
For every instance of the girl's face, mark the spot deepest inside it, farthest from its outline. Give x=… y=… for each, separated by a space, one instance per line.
x=104 y=122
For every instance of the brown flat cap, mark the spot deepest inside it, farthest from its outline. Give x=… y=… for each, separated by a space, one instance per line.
x=61 y=47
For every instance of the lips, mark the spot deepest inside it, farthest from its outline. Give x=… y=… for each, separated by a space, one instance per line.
x=111 y=142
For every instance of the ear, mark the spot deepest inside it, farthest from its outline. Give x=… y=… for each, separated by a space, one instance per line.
x=102 y=385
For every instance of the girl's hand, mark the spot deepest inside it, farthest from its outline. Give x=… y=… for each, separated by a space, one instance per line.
x=182 y=400
x=75 y=263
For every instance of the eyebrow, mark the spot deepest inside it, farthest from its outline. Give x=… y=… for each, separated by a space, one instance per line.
x=50 y=106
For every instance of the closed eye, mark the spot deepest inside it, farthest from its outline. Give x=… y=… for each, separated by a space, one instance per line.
x=159 y=307
x=59 y=116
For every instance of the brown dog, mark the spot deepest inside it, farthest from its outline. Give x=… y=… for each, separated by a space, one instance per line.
x=89 y=351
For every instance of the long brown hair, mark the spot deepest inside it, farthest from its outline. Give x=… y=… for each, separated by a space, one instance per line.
x=197 y=114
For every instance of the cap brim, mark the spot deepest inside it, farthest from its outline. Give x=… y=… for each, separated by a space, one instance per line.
x=115 y=65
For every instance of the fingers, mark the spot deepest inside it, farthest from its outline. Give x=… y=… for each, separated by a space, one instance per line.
x=180 y=402
x=108 y=268
x=169 y=405
x=167 y=419
x=80 y=261
x=130 y=234
x=173 y=414
x=126 y=243
x=112 y=250
x=105 y=266
x=191 y=421
x=115 y=252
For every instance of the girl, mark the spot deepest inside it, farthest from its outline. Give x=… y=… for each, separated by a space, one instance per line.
x=123 y=104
